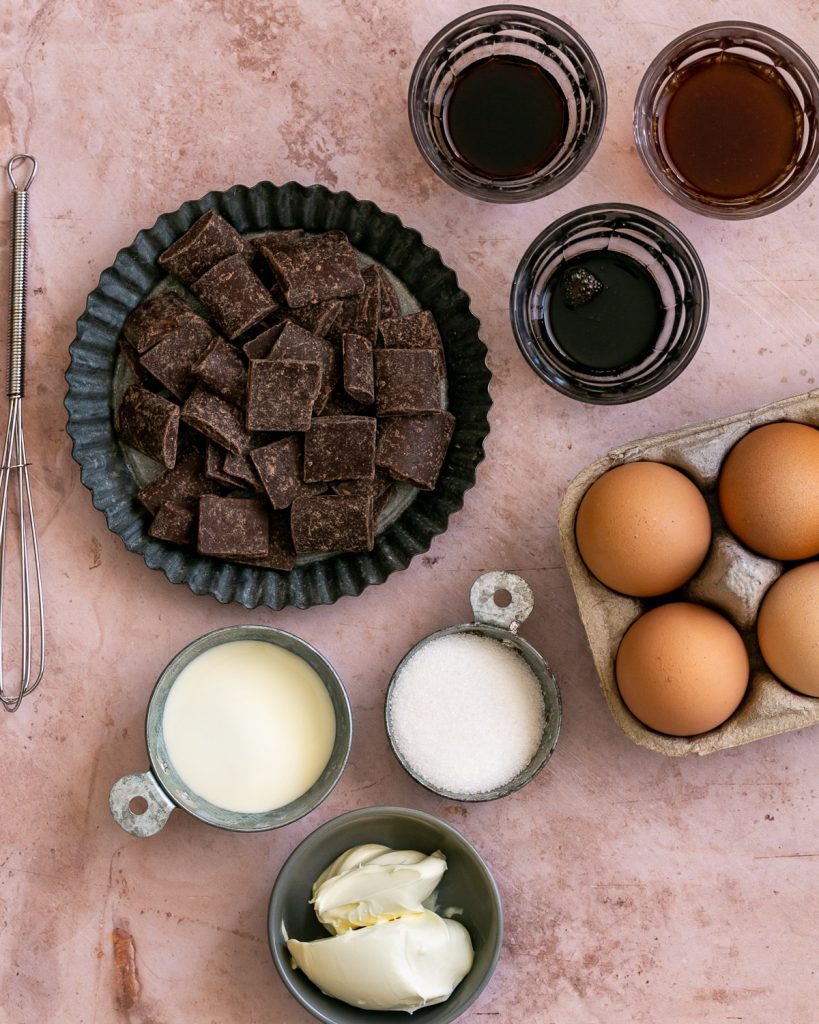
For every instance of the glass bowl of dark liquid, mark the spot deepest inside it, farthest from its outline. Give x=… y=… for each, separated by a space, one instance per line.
x=507 y=104
x=609 y=304
x=726 y=120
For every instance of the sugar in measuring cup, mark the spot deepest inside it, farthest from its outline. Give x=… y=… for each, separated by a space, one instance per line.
x=473 y=711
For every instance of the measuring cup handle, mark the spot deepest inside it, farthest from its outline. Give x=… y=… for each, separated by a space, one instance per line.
x=487 y=612
x=153 y=818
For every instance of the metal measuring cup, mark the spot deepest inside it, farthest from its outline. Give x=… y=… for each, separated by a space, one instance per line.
x=161 y=788
x=500 y=624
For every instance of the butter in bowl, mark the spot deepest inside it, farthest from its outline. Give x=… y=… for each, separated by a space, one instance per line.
x=381 y=910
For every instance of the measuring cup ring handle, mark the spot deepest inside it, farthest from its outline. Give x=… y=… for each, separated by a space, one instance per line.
x=140 y=788
x=488 y=612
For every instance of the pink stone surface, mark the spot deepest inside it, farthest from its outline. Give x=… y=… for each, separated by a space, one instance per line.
x=636 y=889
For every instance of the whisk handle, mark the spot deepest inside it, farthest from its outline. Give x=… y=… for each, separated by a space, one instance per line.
x=17 y=285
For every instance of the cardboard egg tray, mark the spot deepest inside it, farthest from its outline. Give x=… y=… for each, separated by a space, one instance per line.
x=733 y=580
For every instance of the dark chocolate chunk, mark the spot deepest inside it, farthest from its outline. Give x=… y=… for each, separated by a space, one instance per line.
x=579 y=287
x=390 y=303
x=415 y=330
x=281 y=394
x=380 y=488
x=357 y=357
x=222 y=370
x=277 y=239
x=360 y=314
x=340 y=448
x=232 y=526
x=234 y=295
x=318 y=318
x=381 y=500
x=259 y=346
x=171 y=360
x=216 y=419
x=181 y=485
x=406 y=381
x=340 y=404
x=154 y=319
x=413 y=448
x=174 y=523
x=380 y=482
x=131 y=357
x=279 y=466
x=320 y=267
x=207 y=241
x=240 y=469
x=280 y=551
x=149 y=423
x=215 y=463
x=332 y=522
x=294 y=342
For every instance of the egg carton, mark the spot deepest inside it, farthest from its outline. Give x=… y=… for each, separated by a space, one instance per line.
x=732 y=579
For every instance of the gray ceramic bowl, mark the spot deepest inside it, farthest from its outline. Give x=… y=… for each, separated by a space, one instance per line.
x=160 y=790
x=467 y=883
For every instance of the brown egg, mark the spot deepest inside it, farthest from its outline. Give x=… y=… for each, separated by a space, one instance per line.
x=643 y=529
x=682 y=669
x=769 y=490
x=788 y=628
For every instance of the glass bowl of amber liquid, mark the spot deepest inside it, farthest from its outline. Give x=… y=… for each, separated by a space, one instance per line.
x=609 y=304
x=507 y=104
x=725 y=120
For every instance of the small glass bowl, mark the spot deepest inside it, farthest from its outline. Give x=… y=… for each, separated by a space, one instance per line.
x=743 y=39
x=658 y=246
x=509 y=30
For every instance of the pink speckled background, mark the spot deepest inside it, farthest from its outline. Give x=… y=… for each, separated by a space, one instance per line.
x=637 y=889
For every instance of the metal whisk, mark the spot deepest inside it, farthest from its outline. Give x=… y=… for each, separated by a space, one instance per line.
x=15 y=491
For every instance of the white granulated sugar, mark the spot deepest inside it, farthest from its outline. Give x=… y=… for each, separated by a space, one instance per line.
x=467 y=713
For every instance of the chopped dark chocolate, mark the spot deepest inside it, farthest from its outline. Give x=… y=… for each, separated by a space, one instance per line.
x=234 y=295
x=232 y=527
x=294 y=342
x=415 y=330
x=216 y=419
x=207 y=241
x=318 y=318
x=332 y=522
x=221 y=368
x=174 y=523
x=360 y=313
x=240 y=469
x=131 y=357
x=154 y=319
x=340 y=448
x=320 y=267
x=579 y=286
x=259 y=346
x=181 y=485
x=413 y=448
x=280 y=552
x=149 y=423
x=215 y=463
x=390 y=304
x=381 y=489
x=277 y=239
x=406 y=381
x=281 y=394
x=171 y=360
x=357 y=358
x=279 y=466
x=380 y=481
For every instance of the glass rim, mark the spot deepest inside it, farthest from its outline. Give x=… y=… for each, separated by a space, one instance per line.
x=487 y=189
x=643 y=121
x=547 y=240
